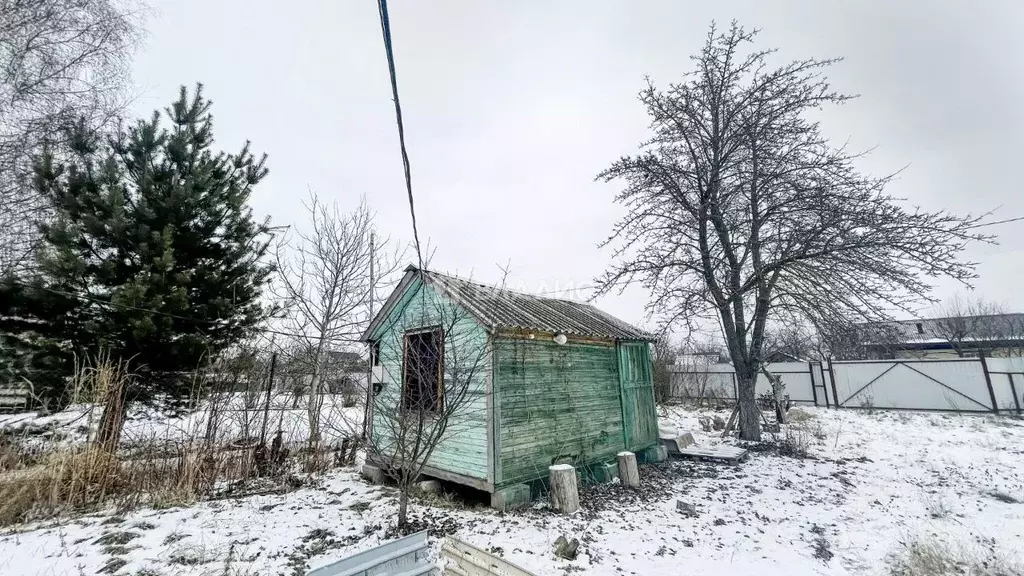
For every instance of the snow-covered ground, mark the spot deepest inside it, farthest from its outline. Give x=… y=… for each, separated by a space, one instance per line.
x=237 y=417
x=875 y=481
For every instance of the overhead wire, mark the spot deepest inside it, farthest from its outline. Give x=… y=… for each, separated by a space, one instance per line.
x=385 y=27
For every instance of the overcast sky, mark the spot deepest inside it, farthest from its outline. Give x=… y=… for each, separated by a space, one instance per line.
x=512 y=108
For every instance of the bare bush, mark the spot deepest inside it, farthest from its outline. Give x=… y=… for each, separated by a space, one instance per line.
x=328 y=278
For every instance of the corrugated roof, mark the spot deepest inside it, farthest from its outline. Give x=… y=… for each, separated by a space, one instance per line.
x=966 y=328
x=500 y=308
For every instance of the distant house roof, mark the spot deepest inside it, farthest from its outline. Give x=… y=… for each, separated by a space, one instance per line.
x=937 y=330
x=341 y=356
x=500 y=308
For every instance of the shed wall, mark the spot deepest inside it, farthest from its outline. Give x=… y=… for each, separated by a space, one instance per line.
x=463 y=449
x=554 y=402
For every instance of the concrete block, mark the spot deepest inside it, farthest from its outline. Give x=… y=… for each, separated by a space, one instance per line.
x=653 y=454
x=511 y=497
x=372 y=473
x=676 y=443
x=428 y=486
x=605 y=472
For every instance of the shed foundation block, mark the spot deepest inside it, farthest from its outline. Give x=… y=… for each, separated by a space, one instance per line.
x=658 y=453
x=605 y=472
x=511 y=497
x=372 y=473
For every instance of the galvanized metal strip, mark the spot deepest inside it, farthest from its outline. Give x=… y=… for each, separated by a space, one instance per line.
x=464 y=559
x=403 y=557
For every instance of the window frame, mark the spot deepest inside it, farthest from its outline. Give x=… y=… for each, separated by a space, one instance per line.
x=439 y=405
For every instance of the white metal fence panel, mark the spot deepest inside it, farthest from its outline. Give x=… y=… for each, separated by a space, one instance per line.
x=707 y=382
x=958 y=385
x=796 y=376
x=406 y=556
x=1007 y=376
x=718 y=381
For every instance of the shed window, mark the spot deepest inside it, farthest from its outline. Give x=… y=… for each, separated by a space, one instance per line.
x=423 y=381
x=920 y=328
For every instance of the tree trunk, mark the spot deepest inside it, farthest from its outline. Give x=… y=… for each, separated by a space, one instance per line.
x=629 y=475
x=749 y=416
x=565 y=497
x=108 y=436
x=403 y=506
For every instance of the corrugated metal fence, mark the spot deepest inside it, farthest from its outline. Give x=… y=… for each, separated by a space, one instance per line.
x=961 y=384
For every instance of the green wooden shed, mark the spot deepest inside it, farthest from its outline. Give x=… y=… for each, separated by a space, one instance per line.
x=554 y=381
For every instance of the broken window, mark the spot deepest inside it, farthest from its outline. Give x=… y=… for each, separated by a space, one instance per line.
x=423 y=380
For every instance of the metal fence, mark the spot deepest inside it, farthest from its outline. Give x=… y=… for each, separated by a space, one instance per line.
x=960 y=384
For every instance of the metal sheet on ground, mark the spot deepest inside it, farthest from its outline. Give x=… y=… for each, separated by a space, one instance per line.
x=464 y=559
x=404 y=557
x=730 y=454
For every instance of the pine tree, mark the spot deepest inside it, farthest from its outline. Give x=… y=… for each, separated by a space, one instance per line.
x=153 y=237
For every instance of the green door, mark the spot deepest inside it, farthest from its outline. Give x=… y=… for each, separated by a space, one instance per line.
x=639 y=418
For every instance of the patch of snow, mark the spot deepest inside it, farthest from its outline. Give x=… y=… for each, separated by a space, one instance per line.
x=875 y=480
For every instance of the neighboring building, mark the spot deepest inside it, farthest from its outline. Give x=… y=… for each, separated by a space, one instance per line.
x=998 y=335
x=560 y=381
x=343 y=372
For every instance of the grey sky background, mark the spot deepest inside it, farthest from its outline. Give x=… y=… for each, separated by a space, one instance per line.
x=512 y=108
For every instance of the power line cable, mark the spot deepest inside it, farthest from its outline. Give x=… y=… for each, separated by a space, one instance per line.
x=385 y=27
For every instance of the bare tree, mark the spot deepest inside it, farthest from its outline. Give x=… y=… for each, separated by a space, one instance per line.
x=61 y=62
x=741 y=211
x=326 y=277
x=442 y=366
x=664 y=354
x=972 y=326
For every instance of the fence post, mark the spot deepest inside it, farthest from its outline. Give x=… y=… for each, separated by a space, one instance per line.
x=988 y=381
x=1013 y=390
x=835 y=391
x=814 y=390
x=266 y=407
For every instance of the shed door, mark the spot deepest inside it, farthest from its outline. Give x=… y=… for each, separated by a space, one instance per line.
x=639 y=418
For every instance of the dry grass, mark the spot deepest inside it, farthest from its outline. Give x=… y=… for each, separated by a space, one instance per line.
x=931 y=557
x=56 y=477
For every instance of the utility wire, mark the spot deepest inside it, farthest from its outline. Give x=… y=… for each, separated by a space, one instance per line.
x=385 y=27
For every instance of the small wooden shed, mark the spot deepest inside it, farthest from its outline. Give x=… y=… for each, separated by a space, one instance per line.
x=559 y=381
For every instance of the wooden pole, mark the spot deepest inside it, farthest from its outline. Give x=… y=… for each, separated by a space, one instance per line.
x=629 y=475
x=565 y=497
x=266 y=406
x=368 y=408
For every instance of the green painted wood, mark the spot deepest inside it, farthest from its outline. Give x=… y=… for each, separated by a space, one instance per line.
x=640 y=418
x=464 y=447
x=554 y=402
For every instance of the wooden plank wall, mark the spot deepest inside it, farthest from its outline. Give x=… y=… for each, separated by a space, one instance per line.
x=555 y=401
x=463 y=450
